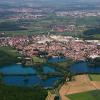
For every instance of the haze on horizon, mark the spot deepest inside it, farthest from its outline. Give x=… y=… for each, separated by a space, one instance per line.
x=49 y=3
x=46 y=1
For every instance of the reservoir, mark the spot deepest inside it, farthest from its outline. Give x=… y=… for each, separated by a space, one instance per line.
x=82 y=67
x=18 y=75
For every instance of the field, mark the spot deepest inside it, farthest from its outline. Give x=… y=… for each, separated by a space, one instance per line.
x=47 y=24
x=91 y=95
x=94 y=77
x=9 y=51
x=38 y=60
x=82 y=84
x=6 y=53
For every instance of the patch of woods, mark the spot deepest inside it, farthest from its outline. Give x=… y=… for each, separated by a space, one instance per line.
x=12 y=26
x=22 y=93
x=92 y=31
x=91 y=34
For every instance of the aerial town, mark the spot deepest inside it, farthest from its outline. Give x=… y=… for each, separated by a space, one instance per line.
x=83 y=13
x=74 y=48
x=49 y=49
x=39 y=12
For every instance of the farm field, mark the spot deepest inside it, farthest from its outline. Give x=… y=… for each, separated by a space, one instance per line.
x=91 y=95
x=6 y=53
x=94 y=77
x=48 y=25
x=82 y=84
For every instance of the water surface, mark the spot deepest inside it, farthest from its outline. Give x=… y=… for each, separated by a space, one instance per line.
x=30 y=81
x=82 y=67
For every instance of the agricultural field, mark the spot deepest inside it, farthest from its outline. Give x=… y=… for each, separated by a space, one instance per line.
x=91 y=95
x=46 y=25
x=6 y=53
x=94 y=77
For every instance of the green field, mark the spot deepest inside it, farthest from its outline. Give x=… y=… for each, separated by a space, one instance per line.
x=91 y=95
x=38 y=60
x=94 y=77
x=6 y=53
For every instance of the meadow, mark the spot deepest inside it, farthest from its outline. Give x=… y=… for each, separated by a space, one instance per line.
x=91 y=95
x=94 y=77
x=6 y=53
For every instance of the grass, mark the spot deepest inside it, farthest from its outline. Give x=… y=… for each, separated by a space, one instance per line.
x=6 y=53
x=38 y=59
x=94 y=77
x=97 y=36
x=91 y=95
x=10 y=50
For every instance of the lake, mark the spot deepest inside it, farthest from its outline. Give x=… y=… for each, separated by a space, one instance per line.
x=35 y=79
x=82 y=67
x=14 y=78
x=57 y=59
x=31 y=81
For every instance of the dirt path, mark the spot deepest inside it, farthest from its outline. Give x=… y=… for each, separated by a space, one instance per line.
x=50 y=96
x=64 y=89
x=82 y=83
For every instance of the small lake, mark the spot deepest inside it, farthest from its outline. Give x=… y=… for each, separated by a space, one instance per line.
x=14 y=78
x=19 y=69
x=82 y=67
x=31 y=81
x=34 y=79
x=57 y=59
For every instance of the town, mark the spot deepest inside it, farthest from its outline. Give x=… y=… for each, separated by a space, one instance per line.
x=49 y=50
x=16 y=13
x=68 y=46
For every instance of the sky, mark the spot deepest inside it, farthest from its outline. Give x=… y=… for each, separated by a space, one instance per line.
x=52 y=0
x=46 y=1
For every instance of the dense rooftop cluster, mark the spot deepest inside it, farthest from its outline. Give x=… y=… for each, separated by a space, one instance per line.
x=53 y=45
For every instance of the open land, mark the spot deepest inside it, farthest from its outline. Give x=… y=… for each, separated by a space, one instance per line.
x=16 y=21
x=29 y=34
x=90 y=95
x=94 y=77
x=81 y=84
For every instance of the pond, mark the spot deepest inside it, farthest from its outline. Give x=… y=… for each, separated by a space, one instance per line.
x=48 y=69
x=30 y=81
x=18 y=75
x=82 y=67
x=17 y=69
x=13 y=72
x=57 y=59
